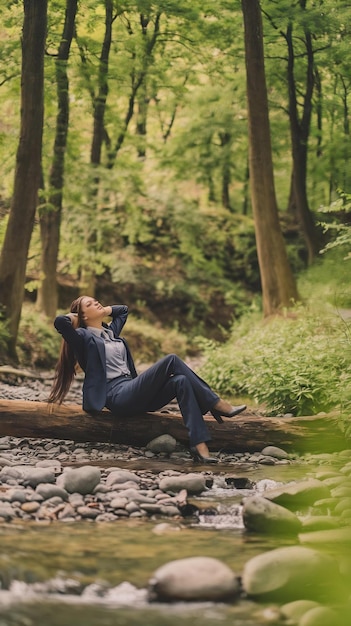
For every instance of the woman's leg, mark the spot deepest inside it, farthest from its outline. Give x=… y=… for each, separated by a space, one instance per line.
x=169 y=378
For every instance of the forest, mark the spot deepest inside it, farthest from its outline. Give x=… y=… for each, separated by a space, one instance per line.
x=192 y=160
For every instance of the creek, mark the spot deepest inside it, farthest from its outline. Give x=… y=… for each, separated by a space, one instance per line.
x=65 y=574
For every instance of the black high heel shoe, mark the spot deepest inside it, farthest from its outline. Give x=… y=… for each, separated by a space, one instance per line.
x=235 y=411
x=198 y=458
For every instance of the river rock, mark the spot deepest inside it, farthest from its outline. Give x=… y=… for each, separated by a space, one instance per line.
x=27 y=475
x=118 y=503
x=52 y=463
x=295 y=495
x=319 y=522
x=17 y=495
x=295 y=610
x=46 y=490
x=193 y=483
x=330 y=536
x=6 y=511
x=292 y=573
x=5 y=462
x=194 y=579
x=82 y=480
x=320 y=616
x=30 y=507
x=163 y=443
x=262 y=516
x=136 y=496
x=88 y=512
x=121 y=476
x=275 y=452
x=343 y=505
x=346 y=469
x=343 y=491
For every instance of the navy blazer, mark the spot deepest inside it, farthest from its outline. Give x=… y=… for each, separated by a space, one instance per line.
x=90 y=354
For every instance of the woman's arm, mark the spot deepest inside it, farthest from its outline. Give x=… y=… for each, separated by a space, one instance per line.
x=119 y=313
x=66 y=325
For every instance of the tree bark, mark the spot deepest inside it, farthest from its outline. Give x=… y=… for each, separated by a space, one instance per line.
x=278 y=283
x=28 y=167
x=87 y=281
x=50 y=216
x=299 y=129
x=19 y=418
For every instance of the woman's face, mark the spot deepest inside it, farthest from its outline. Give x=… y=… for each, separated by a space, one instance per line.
x=92 y=310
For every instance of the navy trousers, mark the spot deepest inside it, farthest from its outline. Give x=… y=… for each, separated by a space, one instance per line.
x=169 y=378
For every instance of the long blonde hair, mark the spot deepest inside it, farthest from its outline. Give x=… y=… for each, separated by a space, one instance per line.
x=67 y=362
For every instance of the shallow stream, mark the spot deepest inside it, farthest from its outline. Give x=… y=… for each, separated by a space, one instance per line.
x=45 y=566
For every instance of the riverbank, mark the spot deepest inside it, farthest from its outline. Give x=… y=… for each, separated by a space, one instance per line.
x=258 y=509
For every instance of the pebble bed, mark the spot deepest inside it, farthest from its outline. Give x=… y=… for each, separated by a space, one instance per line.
x=48 y=479
x=34 y=483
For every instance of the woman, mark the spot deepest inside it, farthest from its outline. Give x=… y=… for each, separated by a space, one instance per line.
x=111 y=379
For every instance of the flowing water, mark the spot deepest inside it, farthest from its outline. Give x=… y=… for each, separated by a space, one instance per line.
x=85 y=573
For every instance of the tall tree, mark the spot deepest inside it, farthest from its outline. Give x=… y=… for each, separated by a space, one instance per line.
x=28 y=167
x=278 y=284
x=300 y=130
x=50 y=215
x=98 y=138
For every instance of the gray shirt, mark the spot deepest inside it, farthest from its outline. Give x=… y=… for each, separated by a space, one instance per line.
x=116 y=354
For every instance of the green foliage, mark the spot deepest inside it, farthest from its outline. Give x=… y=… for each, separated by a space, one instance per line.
x=299 y=362
x=150 y=342
x=4 y=336
x=38 y=341
x=327 y=281
x=292 y=363
x=339 y=227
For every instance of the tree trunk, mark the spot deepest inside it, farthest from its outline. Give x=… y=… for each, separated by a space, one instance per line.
x=28 y=167
x=50 y=217
x=19 y=418
x=87 y=282
x=278 y=283
x=141 y=120
x=300 y=130
x=225 y=139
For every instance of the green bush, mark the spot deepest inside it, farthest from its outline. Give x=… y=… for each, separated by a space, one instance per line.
x=149 y=343
x=4 y=336
x=38 y=342
x=297 y=363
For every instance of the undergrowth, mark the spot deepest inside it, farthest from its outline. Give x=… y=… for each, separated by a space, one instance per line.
x=298 y=362
x=294 y=363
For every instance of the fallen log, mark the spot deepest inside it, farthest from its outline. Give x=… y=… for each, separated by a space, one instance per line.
x=247 y=432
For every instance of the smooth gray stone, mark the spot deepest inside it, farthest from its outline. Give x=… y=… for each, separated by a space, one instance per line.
x=262 y=516
x=121 y=476
x=28 y=475
x=292 y=573
x=6 y=511
x=88 y=512
x=194 y=579
x=82 y=480
x=46 y=490
x=320 y=616
x=163 y=443
x=275 y=452
x=193 y=483
x=295 y=610
x=295 y=495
